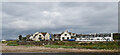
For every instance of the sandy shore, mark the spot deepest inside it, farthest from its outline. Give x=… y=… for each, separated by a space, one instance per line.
x=23 y=49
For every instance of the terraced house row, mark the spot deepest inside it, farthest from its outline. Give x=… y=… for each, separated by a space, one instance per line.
x=69 y=36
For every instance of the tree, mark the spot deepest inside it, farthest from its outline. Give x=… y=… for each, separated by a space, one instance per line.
x=24 y=38
x=73 y=36
x=20 y=37
x=116 y=36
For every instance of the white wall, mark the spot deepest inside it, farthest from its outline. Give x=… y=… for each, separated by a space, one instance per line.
x=37 y=37
x=65 y=37
x=47 y=36
x=95 y=39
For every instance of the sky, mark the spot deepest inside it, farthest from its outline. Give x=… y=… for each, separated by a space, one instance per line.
x=0 y=20
x=22 y=18
x=60 y=0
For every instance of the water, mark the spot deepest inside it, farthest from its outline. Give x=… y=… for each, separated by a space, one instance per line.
x=82 y=53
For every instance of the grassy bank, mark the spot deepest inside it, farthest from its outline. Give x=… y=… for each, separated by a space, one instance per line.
x=10 y=43
x=98 y=45
x=71 y=44
x=58 y=46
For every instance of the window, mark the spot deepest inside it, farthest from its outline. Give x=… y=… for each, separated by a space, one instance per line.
x=109 y=35
x=63 y=38
x=39 y=35
x=75 y=38
x=40 y=38
x=65 y=34
x=83 y=36
x=108 y=39
x=98 y=39
x=33 y=36
x=91 y=39
x=67 y=38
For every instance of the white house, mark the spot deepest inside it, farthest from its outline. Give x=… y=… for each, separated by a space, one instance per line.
x=3 y=40
x=39 y=36
x=96 y=37
x=66 y=35
x=56 y=37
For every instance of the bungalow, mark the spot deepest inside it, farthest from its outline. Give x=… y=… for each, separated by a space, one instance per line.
x=56 y=37
x=96 y=37
x=69 y=36
x=66 y=35
x=40 y=36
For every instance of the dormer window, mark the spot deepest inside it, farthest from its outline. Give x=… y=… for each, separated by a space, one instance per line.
x=67 y=38
x=39 y=35
x=98 y=39
x=35 y=34
x=91 y=39
x=63 y=38
x=65 y=34
x=40 y=38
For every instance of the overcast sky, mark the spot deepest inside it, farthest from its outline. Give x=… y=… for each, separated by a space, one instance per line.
x=55 y=17
x=1 y=20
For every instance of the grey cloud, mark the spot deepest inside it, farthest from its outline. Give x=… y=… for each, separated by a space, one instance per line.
x=1 y=21
x=54 y=17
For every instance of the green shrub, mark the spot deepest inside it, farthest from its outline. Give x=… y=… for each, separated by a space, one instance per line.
x=12 y=43
x=95 y=47
x=83 y=43
x=90 y=43
x=4 y=42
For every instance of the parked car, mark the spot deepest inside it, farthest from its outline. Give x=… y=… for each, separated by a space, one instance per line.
x=71 y=40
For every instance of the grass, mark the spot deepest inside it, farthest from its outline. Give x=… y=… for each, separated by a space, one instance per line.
x=58 y=46
x=86 y=47
x=72 y=44
x=12 y=43
x=52 y=46
x=102 y=45
x=29 y=45
x=98 y=45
